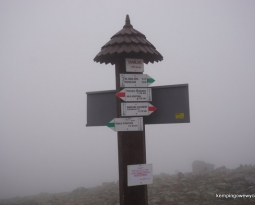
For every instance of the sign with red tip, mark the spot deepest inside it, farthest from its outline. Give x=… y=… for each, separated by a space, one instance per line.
x=135 y=94
x=152 y=108
x=121 y=94
x=137 y=109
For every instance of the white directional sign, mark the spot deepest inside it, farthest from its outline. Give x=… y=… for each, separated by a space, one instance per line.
x=134 y=65
x=135 y=80
x=126 y=124
x=139 y=174
x=135 y=94
x=137 y=109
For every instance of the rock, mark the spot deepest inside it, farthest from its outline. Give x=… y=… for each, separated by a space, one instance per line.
x=251 y=180
x=154 y=200
x=222 y=186
x=234 y=179
x=201 y=166
x=107 y=183
x=168 y=199
x=180 y=175
x=221 y=169
x=79 y=190
x=186 y=180
x=164 y=175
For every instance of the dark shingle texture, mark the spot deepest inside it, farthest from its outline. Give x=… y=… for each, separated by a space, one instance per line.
x=128 y=43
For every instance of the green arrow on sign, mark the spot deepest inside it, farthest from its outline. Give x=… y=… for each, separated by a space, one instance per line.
x=126 y=124
x=135 y=80
x=110 y=124
x=150 y=80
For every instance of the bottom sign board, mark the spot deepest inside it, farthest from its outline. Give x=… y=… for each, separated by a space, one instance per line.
x=126 y=124
x=139 y=174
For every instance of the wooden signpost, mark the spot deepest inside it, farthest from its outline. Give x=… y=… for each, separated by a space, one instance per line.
x=131 y=145
x=129 y=50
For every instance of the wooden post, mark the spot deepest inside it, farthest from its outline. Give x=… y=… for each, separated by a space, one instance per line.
x=131 y=150
x=129 y=43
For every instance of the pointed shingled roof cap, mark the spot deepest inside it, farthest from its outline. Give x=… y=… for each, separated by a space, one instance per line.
x=128 y=43
x=127 y=22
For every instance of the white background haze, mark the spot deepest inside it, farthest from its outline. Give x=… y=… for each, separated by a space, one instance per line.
x=46 y=67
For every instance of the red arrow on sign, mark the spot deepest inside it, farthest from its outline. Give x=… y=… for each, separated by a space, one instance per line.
x=137 y=109
x=135 y=94
x=121 y=94
x=152 y=108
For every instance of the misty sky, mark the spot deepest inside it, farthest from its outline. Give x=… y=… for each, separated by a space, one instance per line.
x=46 y=67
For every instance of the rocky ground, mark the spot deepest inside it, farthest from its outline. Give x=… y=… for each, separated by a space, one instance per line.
x=178 y=189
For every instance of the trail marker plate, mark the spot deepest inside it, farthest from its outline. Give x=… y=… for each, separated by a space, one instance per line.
x=137 y=109
x=134 y=65
x=126 y=124
x=135 y=80
x=135 y=94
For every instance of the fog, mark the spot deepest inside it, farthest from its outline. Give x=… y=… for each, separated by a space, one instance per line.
x=46 y=67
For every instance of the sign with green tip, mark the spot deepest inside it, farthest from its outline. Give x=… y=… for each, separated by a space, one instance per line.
x=126 y=124
x=135 y=80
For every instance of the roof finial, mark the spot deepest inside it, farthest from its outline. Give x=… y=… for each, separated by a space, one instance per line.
x=127 y=22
